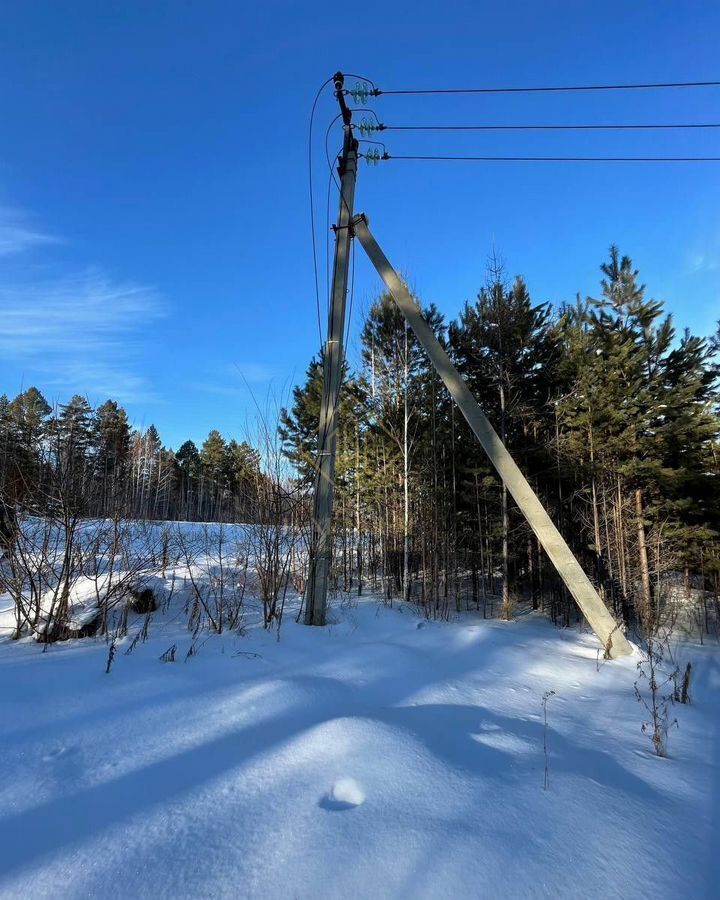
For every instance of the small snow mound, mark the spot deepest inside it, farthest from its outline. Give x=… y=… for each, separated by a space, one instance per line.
x=346 y=793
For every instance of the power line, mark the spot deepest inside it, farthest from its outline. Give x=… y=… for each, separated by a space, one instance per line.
x=312 y=206
x=360 y=78
x=330 y=165
x=327 y=150
x=374 y=143
x=327 y=242
x=352 y=295
x=553 y=89
x=558 y=158
x=615 y=127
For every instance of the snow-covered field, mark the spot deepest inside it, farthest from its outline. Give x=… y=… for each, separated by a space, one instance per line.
x=380 y=757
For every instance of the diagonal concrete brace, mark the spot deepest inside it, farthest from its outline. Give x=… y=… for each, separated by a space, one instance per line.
x=601 y=621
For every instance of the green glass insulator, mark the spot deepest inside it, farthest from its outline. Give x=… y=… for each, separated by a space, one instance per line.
x=360 y=92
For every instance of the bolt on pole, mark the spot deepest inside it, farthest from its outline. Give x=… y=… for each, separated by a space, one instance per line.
x=322 y=538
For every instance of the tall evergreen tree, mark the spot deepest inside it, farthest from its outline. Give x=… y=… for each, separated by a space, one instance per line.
x=111 y=444
x=638 y=417
x=505 y=347
x=213 y=458
x=29 y=412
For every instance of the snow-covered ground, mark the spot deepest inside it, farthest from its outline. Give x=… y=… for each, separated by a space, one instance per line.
x=380 y=757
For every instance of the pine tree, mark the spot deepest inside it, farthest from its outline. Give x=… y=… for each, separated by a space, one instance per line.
x=505 y=347
x=29 y=412
x=212 y=456
x=638 y=417
x=72 y=432
x=8 y=442
x=242 y=464
x=188 y=467
x=299 y=425
x=188 y=459
x=111 y=442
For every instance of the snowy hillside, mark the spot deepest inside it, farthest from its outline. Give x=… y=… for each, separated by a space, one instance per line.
x=381 y=757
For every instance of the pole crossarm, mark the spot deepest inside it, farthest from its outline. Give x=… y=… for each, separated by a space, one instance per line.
x=601 y=621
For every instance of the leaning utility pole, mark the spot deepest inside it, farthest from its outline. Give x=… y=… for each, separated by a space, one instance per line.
x=321 y=546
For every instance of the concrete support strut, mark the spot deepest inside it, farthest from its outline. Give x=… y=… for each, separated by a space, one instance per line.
x=567 y=566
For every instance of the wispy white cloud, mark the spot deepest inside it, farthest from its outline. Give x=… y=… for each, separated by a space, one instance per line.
x=703 y=262
x=17 y=235
x=253 y=372
x=235 y=379
x=82 y=332
x=704 y=251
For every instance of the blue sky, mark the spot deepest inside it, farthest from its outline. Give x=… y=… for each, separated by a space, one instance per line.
x=154 y=228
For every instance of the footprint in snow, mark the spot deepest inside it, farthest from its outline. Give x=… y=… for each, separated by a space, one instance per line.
x=345 y=793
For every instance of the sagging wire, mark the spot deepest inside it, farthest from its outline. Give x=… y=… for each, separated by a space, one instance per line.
x=604 y=159
x=312 y=206
x=553 y=89
x=369 y=127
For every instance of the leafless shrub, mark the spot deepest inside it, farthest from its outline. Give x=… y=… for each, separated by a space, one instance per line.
x=545 y=697
x=141 y=636
x=279 y=536
x=111 y=656
x=118 y=559
x=656 y=700
x=217 y=568
x=657 y=619
x=68 y=576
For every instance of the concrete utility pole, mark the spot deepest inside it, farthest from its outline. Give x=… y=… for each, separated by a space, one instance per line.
x=321 y=546
x=561 y=556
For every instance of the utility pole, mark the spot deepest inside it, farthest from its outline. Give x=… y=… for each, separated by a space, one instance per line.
x=321 y=546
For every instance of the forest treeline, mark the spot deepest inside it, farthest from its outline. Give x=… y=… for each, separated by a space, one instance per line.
x=609 y=411
x=93 y=461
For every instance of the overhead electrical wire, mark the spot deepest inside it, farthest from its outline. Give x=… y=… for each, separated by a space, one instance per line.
x=336 y=399
x=328 y=229
x=327 y=149
x=617 y=159
x=363 y=92
x=361 y=78
x=552 y=89
x=337 y=156
x=351 y=294
x=588 y=127
x=333 y=180
x=375 y=143
x=312 y=205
